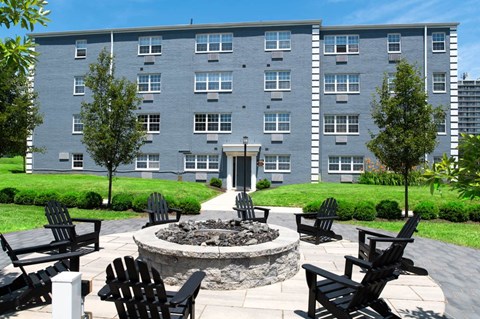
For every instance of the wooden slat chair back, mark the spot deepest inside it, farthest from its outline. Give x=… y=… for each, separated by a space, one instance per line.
x=139 y=292
x=57 y=214
x=247 y=211
x=327 y=209
x=158 y=211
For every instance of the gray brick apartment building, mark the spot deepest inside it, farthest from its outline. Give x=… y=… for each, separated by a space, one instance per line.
x=299 y=91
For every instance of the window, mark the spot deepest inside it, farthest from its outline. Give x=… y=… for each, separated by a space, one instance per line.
x=214 y=42
x=213 y=81
x=81 y=49
x=391 y=85
x=277 y=81
x=277 y=163
x=442 y=127
x=439 y=83
x=77 y=161
x=150 y=122
x=277 y=40
x=77 y=124
x=149 y=45
x=213 y=123
x=147 y=162
x=79 y=85
x=341 y=44
x=342 y=83
x=276 y=123
x=149 y=83
x=202 y=162
x=345 y=164
x=438 y=41
x=344 y=124
x=394 y=43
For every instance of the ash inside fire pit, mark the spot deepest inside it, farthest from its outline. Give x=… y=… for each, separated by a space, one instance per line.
x=218 y=233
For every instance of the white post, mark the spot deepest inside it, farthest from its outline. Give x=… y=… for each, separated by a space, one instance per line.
x=66 y=295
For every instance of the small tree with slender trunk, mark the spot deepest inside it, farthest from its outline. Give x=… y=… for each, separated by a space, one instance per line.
x=407 y=123
x=111 y=132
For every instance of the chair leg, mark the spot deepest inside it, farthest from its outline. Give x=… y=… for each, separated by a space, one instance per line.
x=97 y=246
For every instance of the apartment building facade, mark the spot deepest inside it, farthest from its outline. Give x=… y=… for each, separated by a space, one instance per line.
x=299 y=91
x=469 y=107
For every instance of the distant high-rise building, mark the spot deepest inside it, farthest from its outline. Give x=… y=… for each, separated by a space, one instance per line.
x=469 y=106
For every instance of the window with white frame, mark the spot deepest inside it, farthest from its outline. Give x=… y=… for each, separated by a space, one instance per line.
x=438 y=41
x=341 y=44
x=79 y=85
x=442 y=127
x=340 y=124
x=277 y=81
x=439 y=82
x=214 y=42
x=149 y=83
x=202 y=162
x=81 y=49
x=394 y=43
x=213 y=81
x=342 y=83
x=150 y=122
x=276 y=123
x=77 y=124
x=149 y=45
x=213 y=123
x=147 y=162
x=390 y=82
x=77 y=161
x=277 y=163
x=277 y=40
x=345 y=164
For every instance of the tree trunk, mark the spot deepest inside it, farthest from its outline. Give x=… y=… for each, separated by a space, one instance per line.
x=110 y=175
x=405 y=177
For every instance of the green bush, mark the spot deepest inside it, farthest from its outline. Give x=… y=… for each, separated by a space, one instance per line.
x=172 y=202
x=388 y=209
x=7 y=195
x=25 y=197
x=89 y=200
x=69 y=199
x=454 y=211
x=139 y=203
x=312 y=207
x=122 y=202
x=43 y=198
x=216 y=182
x=365 y=210
x=189 y=206
x=263 y=184
x=345 y=210
x=427 y=210
x=474 y=212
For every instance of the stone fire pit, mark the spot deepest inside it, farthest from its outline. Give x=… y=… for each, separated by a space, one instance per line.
x=226 y=268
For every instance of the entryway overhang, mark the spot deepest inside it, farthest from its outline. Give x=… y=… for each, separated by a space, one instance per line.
x=238 y=150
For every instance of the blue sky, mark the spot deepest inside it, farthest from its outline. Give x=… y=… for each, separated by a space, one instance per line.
x=68 y=15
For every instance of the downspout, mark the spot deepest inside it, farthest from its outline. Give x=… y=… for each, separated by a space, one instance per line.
x=425 y=43
x=111 y=51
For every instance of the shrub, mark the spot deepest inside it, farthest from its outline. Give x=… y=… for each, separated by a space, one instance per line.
x=474 y=212
x=139 y=203
x=312 y=207
x=26 y=197
x=121 y=202
x=7 y=195
x=43 y=198
x=345 y=210
x=216 y=182
x=171 y=201
x=427 y=210
x=454 y=212
x=89 y=200
x=189 y=206
x=263 y=183
x=365 y=210
x=388 y=209
x=69 y=199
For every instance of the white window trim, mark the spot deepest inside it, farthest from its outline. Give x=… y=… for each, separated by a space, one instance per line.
x=277 y=170
x=206 y=124
x=347 y=124
x=444 y=82
x=75 y=85
x=207 y=81
x=277 y=122
x=208 y=43
x=77 y=161
x=150 y=45
x=341 y=35
x=340 y=171
x=277 y=81
x=196 y=169
x=399 y=43
x=148 y=131
x=148 y=163
x=336 y=84
x=444 y=42
x=278 y=41
x=149 y=83
x=76 y=49
x=73 y=125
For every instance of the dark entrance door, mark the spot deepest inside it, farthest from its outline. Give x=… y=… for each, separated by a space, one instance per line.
x=242 y=169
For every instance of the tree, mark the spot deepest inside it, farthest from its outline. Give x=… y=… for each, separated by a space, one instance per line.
x=17 y=53
x=111 y=132
x=407 y=123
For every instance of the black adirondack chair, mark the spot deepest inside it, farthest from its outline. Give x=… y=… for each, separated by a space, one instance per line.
x=63 y=228
x=322 y=224
x=139 y=293
x=246 y=210
x=158 y=211
x=342 y=296
x=31 y=289
x=367 y=250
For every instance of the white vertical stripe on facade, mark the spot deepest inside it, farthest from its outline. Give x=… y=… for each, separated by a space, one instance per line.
x=315 y=137
x=453 y=92
x=29 y=154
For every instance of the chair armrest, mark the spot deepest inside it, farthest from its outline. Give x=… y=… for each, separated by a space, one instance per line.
x=328 y=275
x=189 y=289
x=371 y=232
x=175 y=210
x=262 y=208
x=350 y=261
x=239 y=209
x=45 y=259
x=104 y=292
x=305 y=214
x=42 y=248
x=391 y=240
x=87 y=220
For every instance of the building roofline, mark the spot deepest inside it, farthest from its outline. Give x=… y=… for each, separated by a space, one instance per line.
x=180 y=27
x=390 y=26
